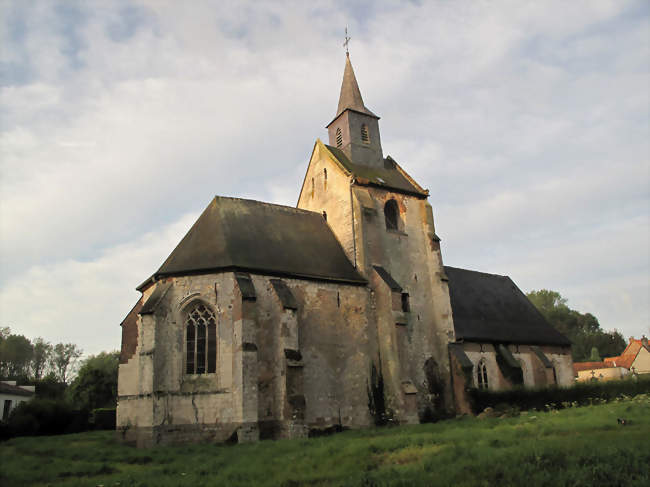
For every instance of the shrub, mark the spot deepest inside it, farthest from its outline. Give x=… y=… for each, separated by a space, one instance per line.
x=45 y=417
x=103 y=418
x=582 y=393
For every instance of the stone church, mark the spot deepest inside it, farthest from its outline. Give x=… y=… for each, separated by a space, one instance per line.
x=268 y=321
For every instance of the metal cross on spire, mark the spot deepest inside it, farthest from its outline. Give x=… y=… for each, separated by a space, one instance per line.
x=347 y=41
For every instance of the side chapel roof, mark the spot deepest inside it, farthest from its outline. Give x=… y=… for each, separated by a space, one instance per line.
x=239 y=234
x=491 y=308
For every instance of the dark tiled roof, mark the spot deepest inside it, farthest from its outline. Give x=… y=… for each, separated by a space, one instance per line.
x=350 y=97
x=491 y=308
x=15 y=390
x=389 y=176
x=247 y=235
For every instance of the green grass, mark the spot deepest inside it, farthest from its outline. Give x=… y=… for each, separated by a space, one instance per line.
x=582 y=446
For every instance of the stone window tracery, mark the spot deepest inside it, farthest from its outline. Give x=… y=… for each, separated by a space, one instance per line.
x=481 y=375
x=201 y=341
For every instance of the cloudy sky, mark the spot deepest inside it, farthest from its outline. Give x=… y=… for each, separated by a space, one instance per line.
x=120 y=120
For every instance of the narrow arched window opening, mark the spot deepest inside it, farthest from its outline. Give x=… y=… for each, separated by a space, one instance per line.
x=200 y=341
x=481 y=375
x=365 y=136
x=339 y=138
x=391 y=214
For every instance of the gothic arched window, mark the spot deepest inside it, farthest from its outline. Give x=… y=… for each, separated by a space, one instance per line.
x=481 y=375
x=201 y=341
x=339 y=138
x=391 y=214
x=365 y=136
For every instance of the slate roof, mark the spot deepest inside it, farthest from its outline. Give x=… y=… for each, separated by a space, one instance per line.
x=14 y=390
x=391 y=176
x=247 y=235
x=350 y=97
x=491 y=308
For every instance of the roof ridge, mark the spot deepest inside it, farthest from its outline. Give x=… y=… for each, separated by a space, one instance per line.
x=477 y=272
x=266 y=203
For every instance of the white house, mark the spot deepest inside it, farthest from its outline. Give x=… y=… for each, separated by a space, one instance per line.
x=11 y=395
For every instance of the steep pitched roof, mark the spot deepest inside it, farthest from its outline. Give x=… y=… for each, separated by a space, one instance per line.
x=491 y=308
x=627 y=358
x=238 y=234
x=390 y=176
x=350 y=97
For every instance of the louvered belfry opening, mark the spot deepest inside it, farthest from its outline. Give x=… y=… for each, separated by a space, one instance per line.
x=365 y=136
x=339 y=138
x=201 y=341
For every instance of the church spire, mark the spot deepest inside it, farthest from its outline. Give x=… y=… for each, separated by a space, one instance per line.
x=350 y=98
x=355 y=129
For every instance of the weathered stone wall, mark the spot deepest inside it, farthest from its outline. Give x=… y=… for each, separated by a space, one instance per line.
x=412 y=256
x=535 y=373
x=327 y=188
x=280 y=371
x=610 y=373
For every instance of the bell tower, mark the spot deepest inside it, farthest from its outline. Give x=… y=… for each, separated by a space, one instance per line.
x=355 y=129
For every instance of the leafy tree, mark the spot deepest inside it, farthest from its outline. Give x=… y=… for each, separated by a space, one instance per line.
x=40 y=357
x=583 y=330
x=15 y=356
x=96 y=383
x=49 y=387
x=63 y=359
x=595 y=356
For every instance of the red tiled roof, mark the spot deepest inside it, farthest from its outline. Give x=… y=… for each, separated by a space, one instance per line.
x=626 y=359
x=580 y=366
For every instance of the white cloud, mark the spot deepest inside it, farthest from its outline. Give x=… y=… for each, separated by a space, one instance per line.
x=527 y=120
x=83 y=302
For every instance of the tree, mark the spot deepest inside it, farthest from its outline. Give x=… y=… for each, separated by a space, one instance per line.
x=96 y=383
x=595 y=356
x=15 y=356
x=63 y=359
x=40 y=357
x=583 y=330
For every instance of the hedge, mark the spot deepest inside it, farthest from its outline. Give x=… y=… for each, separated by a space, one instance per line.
x=580 y=394
x=103 y=418
x=44 y=417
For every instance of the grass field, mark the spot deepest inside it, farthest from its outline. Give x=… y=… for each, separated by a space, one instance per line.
x=573 y=447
